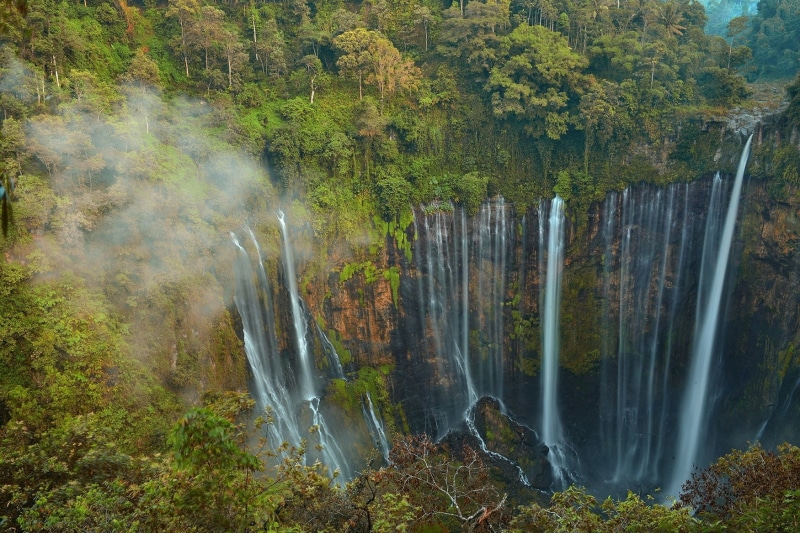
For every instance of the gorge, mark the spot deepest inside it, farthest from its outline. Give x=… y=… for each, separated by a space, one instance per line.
x=588 y=332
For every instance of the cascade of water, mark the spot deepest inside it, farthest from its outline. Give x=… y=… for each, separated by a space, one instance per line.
x=647 y=221
x=332 y=455
x=675 y=303
x=375 y=426
x=254 y=304
x=473 y=430
x=444 y=290
x=694 y=407
x=330 y=354
x=306 y=378
x=462 y=352
x=490 y=236
x=607 y=380
x=551 y=420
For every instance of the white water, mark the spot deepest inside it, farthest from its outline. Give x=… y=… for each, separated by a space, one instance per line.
x=552 y=434
x=490 y=249
x=693 y=412
x=306 y=377
x=268 y=384
x=632 y=424
x=462 y=291
x=332 y=455
x=376 y=428
x=331 y=354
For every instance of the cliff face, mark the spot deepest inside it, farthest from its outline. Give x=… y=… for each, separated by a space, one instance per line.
x=460 y=317
x=762 y=329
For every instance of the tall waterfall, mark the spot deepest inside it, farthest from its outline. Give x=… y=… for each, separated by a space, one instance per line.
x=461 y=290
x=308 y=389
x=552 y=432
x=254 y=302
x=468 y=325
x=694 y=409
x=332 y=454
x=642 y=277
x=490 y=250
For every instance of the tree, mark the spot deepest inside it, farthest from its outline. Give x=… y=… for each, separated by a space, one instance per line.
x=6 y=199
x=208 y=30
x=270 y=49
x=184 y=11
x=389 y=71
x=671 y=18
x=235 y=56
x=356 y=58
x=442 y=490
x=536 y=77
x=736 y=482
x=314 y=71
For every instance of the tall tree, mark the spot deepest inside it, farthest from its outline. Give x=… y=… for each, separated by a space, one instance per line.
x=389 y=71
x=355 y=59
x=184 y=11
x=536 y=78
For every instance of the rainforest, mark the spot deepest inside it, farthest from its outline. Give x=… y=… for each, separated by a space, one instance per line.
x=399 y=265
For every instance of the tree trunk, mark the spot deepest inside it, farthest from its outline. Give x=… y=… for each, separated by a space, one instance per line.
x=230 y=72
x=55 y=70
x=255 y=38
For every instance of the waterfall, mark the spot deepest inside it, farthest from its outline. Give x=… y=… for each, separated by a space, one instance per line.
x=490 y=250
x=645 y=253
x=695 y=401
x=444 y=294
x=331 y=354
x=375 y=425
x=254 y=303
x=332 y=455
x=551 y=421
x=306 y=378
x=461 y=289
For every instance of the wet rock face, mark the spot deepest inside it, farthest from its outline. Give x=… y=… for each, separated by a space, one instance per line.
x=507 y=447
x=763 y=329
x=515 y=441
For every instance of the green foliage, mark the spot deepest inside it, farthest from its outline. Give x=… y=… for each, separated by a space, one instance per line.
x=576 y=510
x=773 y=37
x=203 y=439
x=393 y=276
x=367 y=267
x=394 y=197
x=737 y=483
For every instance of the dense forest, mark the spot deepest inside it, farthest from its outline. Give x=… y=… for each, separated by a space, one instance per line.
x=136 y=134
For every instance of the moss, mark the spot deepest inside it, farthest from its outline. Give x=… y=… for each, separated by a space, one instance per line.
x=582 y=311
x=345 y=356
x=529 y=366
x=348 y=394
x=369 y=270
x=393 y=276
x=785 y=359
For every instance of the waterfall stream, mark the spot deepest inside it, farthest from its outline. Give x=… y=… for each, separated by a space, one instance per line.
x=694 y=409
x=552 y=432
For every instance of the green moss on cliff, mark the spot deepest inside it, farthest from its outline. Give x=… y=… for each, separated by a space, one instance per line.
x=581 y=311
